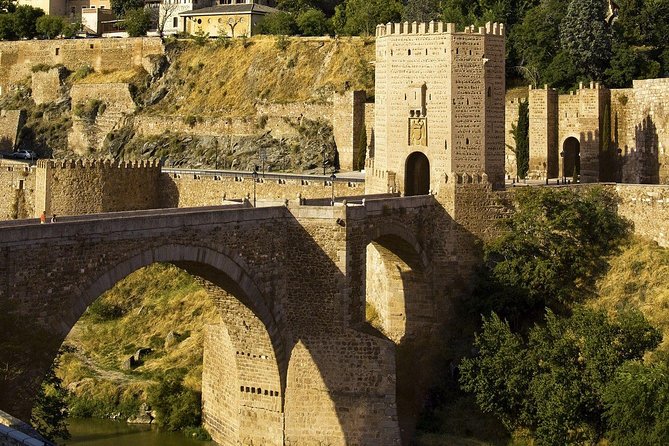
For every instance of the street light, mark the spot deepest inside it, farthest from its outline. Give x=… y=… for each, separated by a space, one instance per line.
x=564 y=178
x=254 y=175
x=332 y=182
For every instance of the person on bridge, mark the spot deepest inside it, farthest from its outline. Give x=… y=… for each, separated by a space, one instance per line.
x=42 y=218
x=53 y=218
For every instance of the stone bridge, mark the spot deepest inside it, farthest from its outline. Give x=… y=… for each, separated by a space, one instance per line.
x=294 y=361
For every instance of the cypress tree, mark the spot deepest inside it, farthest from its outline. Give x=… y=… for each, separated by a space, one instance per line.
x=585 y=36
x=521 y=134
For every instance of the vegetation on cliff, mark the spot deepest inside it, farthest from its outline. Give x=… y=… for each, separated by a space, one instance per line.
x=230 y=78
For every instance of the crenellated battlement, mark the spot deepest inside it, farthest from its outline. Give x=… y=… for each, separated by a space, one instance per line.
x=98 y=164
x=404 y=28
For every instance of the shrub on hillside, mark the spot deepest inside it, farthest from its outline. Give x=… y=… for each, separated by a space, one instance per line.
x=554 y=247
x=555 y=381
x=177 y=407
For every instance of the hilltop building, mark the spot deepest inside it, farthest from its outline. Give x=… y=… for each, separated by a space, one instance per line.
x=439 y=111
x=233 y=18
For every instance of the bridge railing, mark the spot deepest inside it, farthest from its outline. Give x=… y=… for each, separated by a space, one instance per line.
x=125 y=214
x=340 y=178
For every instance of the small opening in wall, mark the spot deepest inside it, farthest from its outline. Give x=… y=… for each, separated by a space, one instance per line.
x=490 y=93
x=241 y=388
x=467 y=141
x=457 y=51
x=20 y=184
x=409 y=52
x=470 y=52
x=92 y=46
x=430 y=96
x=57 y=51
x=391 y=52
x=467 y=101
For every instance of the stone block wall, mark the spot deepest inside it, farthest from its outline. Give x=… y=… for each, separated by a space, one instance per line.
x=86 y=187
x=87 y=136
x=648 y=208
x=348 y=121
x=17 y=192
x=511 y=103
x=543 y=112
x=182 y=190
x=640 y=129
x=47 y=86
x=17 y=58
x=11 y=122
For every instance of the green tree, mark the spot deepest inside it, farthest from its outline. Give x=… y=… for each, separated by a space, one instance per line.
x=360 y=17
x=637 y=405
x=521 y=135
x=312 y=22
x=7 y=27
x=279 y=23
x=50 y=412
x=422 y=11
x=551 y=252
x=585 y=37
x=554 y=383
x=25 y=21
x=137 y=22
x=120 y=7
x=296 y=6
x=50 y=26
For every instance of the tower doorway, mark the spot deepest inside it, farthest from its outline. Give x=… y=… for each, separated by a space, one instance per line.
x=571 y=160
x=417 y=175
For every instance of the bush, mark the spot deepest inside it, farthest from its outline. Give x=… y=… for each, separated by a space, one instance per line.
x=81 y=73
x=177 y=407
x=551 y=252
x=282 y=42
x=104 y=311
x=312 y=22
x=278 y=23
x=89 y=110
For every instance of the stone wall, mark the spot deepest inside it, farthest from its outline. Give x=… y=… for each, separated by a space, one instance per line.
x=17 y=192
x=640 y=129
x=116 y=101
x=180 y=190
x=11 y=122
x=87 y=187
x=648 y=208
x=17 y=58
x=47 y=86
x=348 y=121
x=543 y=112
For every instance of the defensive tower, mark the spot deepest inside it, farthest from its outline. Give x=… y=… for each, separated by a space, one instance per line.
x=439 y=107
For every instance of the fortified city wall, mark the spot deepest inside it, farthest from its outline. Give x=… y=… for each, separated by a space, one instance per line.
x=638 y=122
x=72 y=187
x=47 y=86
x=18 y=58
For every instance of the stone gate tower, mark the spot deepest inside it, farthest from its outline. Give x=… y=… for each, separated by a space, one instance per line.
x=439 y=113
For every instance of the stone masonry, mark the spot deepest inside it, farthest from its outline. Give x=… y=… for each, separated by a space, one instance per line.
x=11 y=122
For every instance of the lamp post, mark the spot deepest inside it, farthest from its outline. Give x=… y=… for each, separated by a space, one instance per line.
x=254 y=175
x=332 y=182
x=564 y=179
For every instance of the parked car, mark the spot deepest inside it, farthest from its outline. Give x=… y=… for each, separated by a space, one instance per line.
x=25 y=155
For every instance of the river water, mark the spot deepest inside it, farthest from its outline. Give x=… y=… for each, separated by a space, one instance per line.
x=95 y=432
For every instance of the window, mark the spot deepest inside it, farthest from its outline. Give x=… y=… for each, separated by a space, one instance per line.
x=175 y=22
x=409 y=52
x=57 y=51
x=199 y=21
